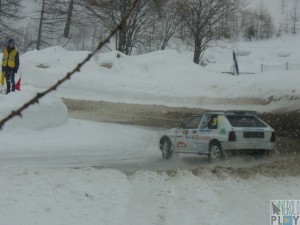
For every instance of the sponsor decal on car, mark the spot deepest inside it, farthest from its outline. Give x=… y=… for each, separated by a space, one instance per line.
x=202 y=138
x=220 y=119
x=222 y=131
x=185 y=132
x=205 y=130
x=181 y=144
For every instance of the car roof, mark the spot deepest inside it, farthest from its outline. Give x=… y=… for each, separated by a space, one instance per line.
x=228 y=112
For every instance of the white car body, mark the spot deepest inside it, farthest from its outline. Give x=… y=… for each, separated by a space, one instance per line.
x=229 y=130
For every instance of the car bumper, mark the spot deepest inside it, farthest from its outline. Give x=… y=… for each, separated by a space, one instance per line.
x=248 y=146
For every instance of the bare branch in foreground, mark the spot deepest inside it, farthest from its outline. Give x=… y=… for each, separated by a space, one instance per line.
x=68 y=76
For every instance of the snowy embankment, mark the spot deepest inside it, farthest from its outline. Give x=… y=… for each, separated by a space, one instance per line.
x=49 y=112
x=170 y=78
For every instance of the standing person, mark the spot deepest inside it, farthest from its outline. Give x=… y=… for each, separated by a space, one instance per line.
x=10 y=64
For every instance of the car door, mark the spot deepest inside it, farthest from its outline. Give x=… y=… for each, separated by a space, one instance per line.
x=207 y=130
x=186 y=134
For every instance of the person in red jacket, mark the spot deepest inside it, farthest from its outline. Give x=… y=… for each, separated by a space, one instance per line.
x=10 y=65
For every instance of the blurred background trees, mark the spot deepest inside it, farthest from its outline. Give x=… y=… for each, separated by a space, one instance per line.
x=154 y=24
x=9 y=16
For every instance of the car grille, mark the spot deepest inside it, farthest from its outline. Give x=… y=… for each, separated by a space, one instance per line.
x=253 y=134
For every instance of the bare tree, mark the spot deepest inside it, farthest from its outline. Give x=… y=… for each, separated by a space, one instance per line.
x=264 y=23
x=257 y=23
x=80 y=30
x=164 y=24
x=69 y=19
x=9 y=16
x=201 y=17
x=169 y=22
x=109 y=14
x=54 y=21
x=69 y=8
x=39 y=38
x=268 y=27
x=49 y=21
x=283 y=5
x=229 y=25
x=284 y=23
x=248 y=24
x=294 y=16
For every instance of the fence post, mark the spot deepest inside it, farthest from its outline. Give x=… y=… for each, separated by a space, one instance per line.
x=261 y=67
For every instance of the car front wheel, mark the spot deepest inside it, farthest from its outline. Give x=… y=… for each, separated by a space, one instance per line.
x=166 y=148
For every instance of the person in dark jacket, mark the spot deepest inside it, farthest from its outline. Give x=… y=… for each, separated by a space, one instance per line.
x=10 y=64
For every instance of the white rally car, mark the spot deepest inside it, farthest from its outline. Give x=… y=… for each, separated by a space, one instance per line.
x=214 y=133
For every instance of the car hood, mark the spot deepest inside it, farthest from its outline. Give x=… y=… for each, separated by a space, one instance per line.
x=170 y=132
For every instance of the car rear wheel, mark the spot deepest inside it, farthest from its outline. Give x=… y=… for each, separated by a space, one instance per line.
x=166 y=148
x=215 y=152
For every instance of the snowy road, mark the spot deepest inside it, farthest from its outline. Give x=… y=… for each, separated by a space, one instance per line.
x=90 y=143
x=124 y=147
x=127 y=163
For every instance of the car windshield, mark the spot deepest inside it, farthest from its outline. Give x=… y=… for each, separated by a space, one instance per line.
x=245 y=121
x=193 y=123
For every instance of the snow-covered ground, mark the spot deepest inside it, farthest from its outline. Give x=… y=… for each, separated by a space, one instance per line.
x=73 y=192
x=91 y=196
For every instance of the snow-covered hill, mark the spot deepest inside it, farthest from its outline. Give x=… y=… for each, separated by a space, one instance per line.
x=170 y=78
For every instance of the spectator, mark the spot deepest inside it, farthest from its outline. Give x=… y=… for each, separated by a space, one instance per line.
x=10 y=65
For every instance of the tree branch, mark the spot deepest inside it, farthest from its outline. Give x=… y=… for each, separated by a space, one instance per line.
x=68 y=76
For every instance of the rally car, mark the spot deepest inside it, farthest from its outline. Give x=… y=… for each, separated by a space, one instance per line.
x=215 y=133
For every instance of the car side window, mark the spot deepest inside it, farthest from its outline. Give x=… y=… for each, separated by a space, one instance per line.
x=213 y=122
x=193 y=123
x=210 y=122
x=204 y=122
x=245 y=121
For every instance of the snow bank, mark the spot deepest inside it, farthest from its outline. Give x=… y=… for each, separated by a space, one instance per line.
x=49 y=112
x=43 y=68
x=171 y=78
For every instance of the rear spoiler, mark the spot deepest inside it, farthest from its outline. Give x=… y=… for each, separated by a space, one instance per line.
x=241 y=112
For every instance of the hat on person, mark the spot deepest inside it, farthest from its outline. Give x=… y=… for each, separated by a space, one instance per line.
x=11 y=41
